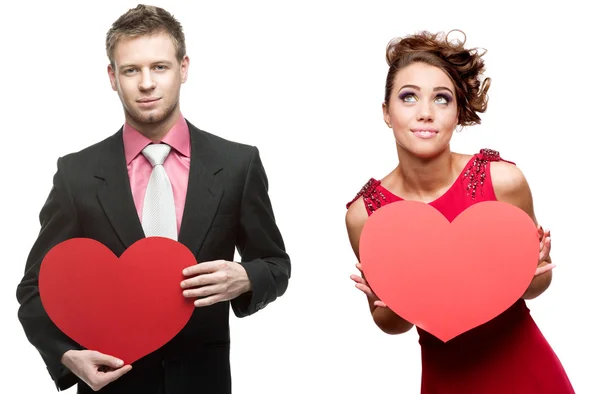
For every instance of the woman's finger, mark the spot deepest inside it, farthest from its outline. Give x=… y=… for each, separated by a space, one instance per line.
x=544 y=269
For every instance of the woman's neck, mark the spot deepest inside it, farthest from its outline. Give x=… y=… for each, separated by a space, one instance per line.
x=424 y=179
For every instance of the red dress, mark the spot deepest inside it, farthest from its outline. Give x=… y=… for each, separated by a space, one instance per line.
x=507 y=355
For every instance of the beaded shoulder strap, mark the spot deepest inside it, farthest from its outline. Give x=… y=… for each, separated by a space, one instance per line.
x=477 y=172
x=373 y=197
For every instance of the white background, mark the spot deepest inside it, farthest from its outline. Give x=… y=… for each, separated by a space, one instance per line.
x=304 y=82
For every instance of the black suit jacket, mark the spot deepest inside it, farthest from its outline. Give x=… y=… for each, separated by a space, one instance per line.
x=227 y=206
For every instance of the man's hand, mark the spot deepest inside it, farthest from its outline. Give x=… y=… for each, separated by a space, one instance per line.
x=94 y=368
x=215 y=281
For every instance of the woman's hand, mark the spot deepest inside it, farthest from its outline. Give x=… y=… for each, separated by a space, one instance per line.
x=362 y=285
x=545 y=245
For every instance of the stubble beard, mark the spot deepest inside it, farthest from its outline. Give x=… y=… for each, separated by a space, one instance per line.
x=152 y=119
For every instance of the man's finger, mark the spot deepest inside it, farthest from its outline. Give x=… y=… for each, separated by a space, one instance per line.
x=116 y=374
x=203 y=291
x=104 y=359
x=208 y=300
x=201 y=280
x=206 y=267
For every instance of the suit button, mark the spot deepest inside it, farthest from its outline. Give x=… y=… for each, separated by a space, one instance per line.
x=162 y=363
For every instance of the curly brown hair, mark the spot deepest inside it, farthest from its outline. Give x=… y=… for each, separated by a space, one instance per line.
x=145 y=20
x=463 y=66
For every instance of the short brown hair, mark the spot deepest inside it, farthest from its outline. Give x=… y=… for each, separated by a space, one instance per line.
x=145 y=20
x=463 y=66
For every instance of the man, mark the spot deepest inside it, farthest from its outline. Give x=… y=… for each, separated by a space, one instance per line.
x=209 y=193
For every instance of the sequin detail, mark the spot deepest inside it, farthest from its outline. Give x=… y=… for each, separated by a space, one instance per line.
x=476 y=174
x=372 y=196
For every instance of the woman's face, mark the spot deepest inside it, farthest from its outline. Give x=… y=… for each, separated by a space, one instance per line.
x=422 y=110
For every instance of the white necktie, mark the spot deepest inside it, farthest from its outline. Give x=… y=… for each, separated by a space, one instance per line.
x=158 y=215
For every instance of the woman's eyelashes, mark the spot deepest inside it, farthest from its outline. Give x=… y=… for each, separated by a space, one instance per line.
x=445 y=98
x=411 y=97
x=408 y=97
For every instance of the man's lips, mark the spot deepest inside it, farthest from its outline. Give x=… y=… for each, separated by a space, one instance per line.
x=148 y=100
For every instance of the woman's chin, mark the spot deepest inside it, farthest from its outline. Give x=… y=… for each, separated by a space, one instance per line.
x=427 y=150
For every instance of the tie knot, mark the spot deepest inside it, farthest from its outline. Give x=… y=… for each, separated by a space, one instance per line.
x=156 y=153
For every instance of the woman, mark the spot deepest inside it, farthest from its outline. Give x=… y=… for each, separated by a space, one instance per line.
x=432 y=87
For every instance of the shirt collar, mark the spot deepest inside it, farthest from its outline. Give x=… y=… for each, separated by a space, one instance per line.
x=178 y=137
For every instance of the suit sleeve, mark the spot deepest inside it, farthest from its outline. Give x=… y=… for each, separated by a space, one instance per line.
x=58 y=223
x=260 y=244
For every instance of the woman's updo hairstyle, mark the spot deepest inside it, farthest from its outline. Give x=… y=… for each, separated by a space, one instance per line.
x=463 y=66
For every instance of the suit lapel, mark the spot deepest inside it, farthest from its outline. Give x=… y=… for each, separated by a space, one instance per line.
x=202 y=198
x=115 y=194
x=203 y=194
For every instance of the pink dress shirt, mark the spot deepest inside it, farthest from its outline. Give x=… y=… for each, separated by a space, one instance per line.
x=177 y=164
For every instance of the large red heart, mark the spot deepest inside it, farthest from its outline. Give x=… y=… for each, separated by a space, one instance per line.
x=448 y=278
x=125 y=307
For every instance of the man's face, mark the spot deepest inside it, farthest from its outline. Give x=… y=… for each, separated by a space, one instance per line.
x=148 y=78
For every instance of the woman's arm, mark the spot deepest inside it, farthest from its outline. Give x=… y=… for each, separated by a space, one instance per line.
x=384 y=317
x=510 y=185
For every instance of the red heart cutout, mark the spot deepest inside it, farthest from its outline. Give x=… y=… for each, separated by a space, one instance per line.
x=125 y=307
x=448 y=278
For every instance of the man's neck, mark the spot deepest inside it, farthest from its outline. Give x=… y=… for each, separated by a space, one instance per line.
x=155 y=131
